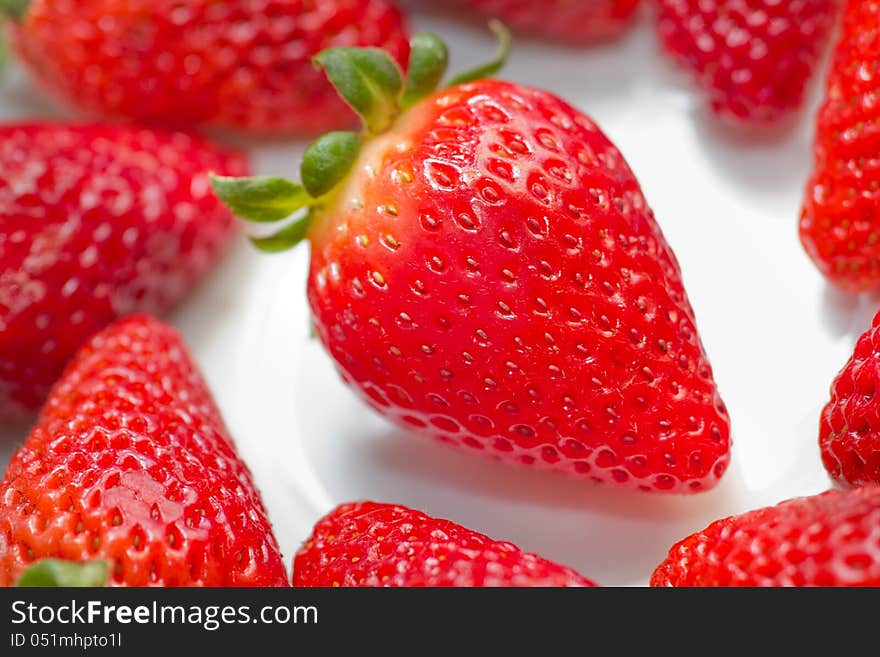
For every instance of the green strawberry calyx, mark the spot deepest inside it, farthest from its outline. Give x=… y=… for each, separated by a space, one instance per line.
x=371 y=82
x=59 y=573
x=14 y=9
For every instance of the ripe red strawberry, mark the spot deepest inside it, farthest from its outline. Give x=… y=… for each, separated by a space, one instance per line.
x=485 y=270
x=824 y=540
x=97 y=222
x=754 y=58
x=130 y=463
x=241 y=65
x=849 y=430
x=372 y=544
x=569 y=20
x=840 y=224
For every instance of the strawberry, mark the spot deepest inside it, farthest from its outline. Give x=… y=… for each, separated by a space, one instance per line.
x=841 y=214
x=573 y=21
x=372 y=544
x=754 y=58
x=485 y=270
x=98 y=222
x=130 y=463
x=239 y=65
x=823 y=540
x=849 y=430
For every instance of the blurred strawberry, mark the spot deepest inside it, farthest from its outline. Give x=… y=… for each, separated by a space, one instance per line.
x=372 y=544
x=754 y=58
x=574 y=21
x=823 y=540
x=130 y=464
x=840 y=223
x=849 y=430
x=96 y=222
x=241 y=65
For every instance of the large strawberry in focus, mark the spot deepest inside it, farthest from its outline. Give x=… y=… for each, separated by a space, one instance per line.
x=96 y=222
x=239 y=65
x=486 y=271
x=753 y=58
x=823 y=540
x=368 y=544
x=840 y=222
x=574 y=21
x=130 y=464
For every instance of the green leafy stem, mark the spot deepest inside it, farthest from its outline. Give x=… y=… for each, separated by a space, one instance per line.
x=14 y=9
x=60 y=573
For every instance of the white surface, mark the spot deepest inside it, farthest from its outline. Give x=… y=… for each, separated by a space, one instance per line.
x=774 y=332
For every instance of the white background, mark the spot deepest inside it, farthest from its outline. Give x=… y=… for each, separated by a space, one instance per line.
x=776 y=334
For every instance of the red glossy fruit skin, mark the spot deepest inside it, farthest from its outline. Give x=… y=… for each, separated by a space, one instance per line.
x=849 y=429
x=97 y=222
x=825 y=540
x=492 y=276
x=369 y=544
x=753 y=58
x=239 y=65
x=130 y=462
x=840 y=222
x=574 y=21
